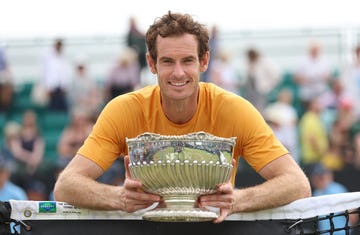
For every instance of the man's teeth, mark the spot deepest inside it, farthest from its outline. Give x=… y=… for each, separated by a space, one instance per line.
x=178 y=83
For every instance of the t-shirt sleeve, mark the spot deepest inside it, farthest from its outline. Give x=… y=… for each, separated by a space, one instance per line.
x=258 y=144
x=105 y=143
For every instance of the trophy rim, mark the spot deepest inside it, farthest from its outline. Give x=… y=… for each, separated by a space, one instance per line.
x=194 y=136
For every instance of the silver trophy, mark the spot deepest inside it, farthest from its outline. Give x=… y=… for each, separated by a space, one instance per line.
x=180 y=168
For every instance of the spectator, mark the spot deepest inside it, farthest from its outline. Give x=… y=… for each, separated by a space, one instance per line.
x=261 y=77
x=339 y=133
x=223 y=74
x=351 y=80
x=6 y=84
x=332 y=102
x=73 y=136
x=312 y=74
x=28 y=151
x=9 y=190
x=323 y=183
x=136 y=40
x=83 y=91
x=56 y=77
x=355 y=140
x=283 y=119
x=313 y=136
x=214 y=49
x=124 y=76
x=11 y=134
x=29 y=147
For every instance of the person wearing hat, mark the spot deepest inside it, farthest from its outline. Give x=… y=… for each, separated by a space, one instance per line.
x=323 y=183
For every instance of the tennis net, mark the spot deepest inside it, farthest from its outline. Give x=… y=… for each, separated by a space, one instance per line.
x=331 y=214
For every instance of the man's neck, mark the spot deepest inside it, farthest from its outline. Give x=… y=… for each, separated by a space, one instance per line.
x=179 y=112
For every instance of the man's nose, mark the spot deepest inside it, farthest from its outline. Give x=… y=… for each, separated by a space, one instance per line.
x=178 y=70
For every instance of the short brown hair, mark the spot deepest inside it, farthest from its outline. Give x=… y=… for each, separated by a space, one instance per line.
x=176 y=24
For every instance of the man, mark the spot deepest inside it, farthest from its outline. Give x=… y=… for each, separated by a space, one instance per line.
x=56 y=76
x=323 y=183
x=178 y=51
x=312 y=73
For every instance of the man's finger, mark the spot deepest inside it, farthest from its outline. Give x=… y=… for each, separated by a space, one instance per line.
x=126 y=163
x=222 y=216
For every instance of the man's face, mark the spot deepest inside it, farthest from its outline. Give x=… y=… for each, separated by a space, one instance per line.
x=178 y=67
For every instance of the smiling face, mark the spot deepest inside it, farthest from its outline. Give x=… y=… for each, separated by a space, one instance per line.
x=178 y=67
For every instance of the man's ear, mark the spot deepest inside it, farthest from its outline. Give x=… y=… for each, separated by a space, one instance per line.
x=151 y=63
x=204 y=62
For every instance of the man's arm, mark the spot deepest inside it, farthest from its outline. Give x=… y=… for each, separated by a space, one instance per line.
x=77 y=186
x=285 y=183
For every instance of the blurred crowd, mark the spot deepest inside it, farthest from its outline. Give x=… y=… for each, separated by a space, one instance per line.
x=313 y=110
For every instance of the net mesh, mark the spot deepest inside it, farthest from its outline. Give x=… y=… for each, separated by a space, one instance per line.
x=333 y=223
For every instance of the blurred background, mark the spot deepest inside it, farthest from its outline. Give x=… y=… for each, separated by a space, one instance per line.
x=297 y=61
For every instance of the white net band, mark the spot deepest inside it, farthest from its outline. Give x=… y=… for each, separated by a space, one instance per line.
x=300 y=209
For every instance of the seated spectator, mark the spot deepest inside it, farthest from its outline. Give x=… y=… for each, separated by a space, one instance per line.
x=356 y=146
x=8 y=190
x=124 y=76
x=323 y=183
x=73 y=136
x=261 y=77
x=313 y=136
x=282 y=118
x=83 y=91
x=11 y=133
x=6 y=84
x=350 y=76
x=223 y=74
x=312 y=73
x=27 y=149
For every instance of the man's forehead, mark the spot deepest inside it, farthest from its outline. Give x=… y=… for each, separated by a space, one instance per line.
x=170 y=46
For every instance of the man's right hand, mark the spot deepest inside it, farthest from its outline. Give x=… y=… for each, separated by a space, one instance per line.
x=134 y=198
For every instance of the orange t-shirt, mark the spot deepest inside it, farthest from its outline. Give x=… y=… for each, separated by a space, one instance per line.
x=219 y=112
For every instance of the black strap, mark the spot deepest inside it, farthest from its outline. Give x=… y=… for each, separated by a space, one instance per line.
x=5 y=211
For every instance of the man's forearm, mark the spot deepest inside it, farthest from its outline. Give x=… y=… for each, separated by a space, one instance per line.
x=272 y=193
x=84 y=192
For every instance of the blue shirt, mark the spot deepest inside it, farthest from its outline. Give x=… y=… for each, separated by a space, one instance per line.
x=339 y=221
x=12 y=191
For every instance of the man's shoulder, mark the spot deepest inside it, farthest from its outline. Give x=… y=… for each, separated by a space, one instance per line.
x=136 y=100
x=141 y=94
x=224 y=101
x=208 y=88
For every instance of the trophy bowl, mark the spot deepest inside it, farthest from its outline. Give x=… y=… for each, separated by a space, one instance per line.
x=180 y=168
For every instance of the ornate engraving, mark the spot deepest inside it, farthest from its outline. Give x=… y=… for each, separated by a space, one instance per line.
x=180 y=169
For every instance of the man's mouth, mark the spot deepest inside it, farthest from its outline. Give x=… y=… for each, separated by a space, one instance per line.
x=178 y=84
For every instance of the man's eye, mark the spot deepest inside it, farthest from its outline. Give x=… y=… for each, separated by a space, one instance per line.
x=189 y=61
x=167 y=61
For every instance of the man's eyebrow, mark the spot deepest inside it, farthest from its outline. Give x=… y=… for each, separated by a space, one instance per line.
x=165 y=58
x=189 y=57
